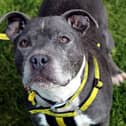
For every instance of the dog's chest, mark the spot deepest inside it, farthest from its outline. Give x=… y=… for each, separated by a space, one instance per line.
x=80 y=120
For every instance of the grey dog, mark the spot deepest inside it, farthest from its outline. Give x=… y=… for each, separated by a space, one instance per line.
x=64 y=59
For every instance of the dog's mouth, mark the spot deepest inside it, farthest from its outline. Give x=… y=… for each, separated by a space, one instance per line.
x=44 y=82
x=39 y=79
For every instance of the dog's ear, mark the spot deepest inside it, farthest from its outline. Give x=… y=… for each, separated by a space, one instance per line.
x=16 y=23
x=80 y=20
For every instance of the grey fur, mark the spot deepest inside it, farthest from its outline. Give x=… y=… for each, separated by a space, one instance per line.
x=55 y=48
x=97 y=10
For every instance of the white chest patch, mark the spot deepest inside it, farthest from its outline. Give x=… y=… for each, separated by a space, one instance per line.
x=83 y=120
x=43 y=121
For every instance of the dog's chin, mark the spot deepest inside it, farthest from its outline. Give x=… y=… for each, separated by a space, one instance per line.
x=49 y=90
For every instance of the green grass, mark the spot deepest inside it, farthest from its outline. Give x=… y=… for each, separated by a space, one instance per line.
x=12 y=109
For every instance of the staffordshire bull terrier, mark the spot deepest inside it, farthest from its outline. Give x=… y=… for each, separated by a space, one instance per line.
x=65 y=73
x=97 y=9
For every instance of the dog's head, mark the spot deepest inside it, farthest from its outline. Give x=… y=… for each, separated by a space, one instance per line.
x=49 y=53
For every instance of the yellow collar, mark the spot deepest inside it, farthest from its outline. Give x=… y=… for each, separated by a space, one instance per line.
x=98 y=85
x=3 y=36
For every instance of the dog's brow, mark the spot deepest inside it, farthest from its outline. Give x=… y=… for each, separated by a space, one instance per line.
x=42 y=24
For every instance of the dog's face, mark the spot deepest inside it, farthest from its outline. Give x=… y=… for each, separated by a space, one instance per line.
x=52 y=53
x=48 y=50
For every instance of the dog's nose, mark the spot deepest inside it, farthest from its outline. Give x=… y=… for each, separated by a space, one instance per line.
x=38 y=61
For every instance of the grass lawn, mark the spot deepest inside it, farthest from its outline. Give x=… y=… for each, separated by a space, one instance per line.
x=12 y=109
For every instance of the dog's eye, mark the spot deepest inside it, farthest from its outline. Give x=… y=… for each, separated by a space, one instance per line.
x=24 y=44
x=64 y=39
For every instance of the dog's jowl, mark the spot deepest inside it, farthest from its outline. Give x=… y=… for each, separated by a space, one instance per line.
x=62 y=59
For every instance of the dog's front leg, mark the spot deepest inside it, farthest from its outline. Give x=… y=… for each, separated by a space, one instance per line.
x=39 y=120
x=83 y=120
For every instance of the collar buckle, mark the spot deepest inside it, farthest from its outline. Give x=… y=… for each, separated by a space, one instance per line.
x=57 y=105
x=98 y=83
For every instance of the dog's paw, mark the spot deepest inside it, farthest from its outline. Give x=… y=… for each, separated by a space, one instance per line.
x=119 y=78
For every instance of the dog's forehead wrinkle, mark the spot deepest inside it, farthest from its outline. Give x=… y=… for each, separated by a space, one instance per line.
x=42 y=24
